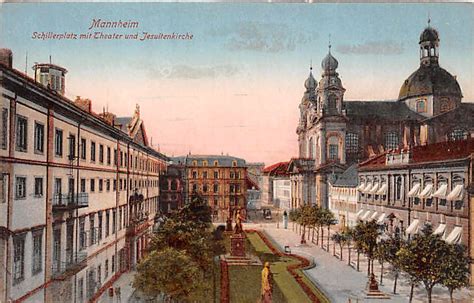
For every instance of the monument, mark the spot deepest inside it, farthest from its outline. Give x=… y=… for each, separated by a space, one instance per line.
x=267 y=284
x=373 y=291
x=237 y=247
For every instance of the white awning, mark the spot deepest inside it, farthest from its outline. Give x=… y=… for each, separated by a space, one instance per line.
x=361 y=186
x=383 y=189
x=366 y=215
x=367 y=188
x=359 y=213
x=381 y=218
x=440 y=230
x=374 y=215
x=413 y=228
x=374 y=188
x=455 y=236
x=456 y=194
x=426 y=192
x=441 y=192
x=414 y=190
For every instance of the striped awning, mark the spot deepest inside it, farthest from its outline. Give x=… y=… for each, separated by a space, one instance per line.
x=374 y=215
x=414 y=190
x=359 y=213
x=413 y=228
x=441 y=191
x=440 y=230
x=456 y=194
x=383 y=189
x=381 y=218
x=374 y=188
x=426 y=192
x=455 y=235
x=366 y=215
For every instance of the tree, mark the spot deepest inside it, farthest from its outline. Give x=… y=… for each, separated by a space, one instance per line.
x=173 y=273
x=365 y=235
x=328 y=219
x=339 y=239
x=455 y=273
x=293 y=215
x=422 y=259
x=382 y=253
x=347 y=234
x=305 y=219
x=393 y=245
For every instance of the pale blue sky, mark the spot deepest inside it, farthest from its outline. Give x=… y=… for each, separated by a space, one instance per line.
x=253 y=56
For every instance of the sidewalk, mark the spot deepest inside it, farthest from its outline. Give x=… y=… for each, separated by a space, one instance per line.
x=340 y=281
x=126 y=289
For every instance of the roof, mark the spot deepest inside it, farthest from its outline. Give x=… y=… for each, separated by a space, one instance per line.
x=425 y=154
x=429 y=34
x=348 y=178
x=50 y=65
x=430 y=80
x=464 y=112
x=122 y=122
x=223 y=161
x=251 y=184
x=277 y=169
x=385 y=110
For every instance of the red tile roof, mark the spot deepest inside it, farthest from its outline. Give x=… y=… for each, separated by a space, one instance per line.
x=442 y=151
x=278 y=169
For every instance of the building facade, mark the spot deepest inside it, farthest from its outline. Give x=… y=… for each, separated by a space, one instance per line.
x=343 y=196
x=273 y=191
x=428 y=184
x=255 y=179
x=220 y=180
x=172 y=189
x=79 y=190
x=335 y=133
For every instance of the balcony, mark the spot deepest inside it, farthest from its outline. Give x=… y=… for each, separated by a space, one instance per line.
x=64 y=202
x=73 y=265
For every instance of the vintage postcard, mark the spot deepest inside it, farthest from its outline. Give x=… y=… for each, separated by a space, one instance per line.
x=236 y=152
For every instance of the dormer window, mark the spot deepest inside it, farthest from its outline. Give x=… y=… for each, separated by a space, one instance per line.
x=421 y=106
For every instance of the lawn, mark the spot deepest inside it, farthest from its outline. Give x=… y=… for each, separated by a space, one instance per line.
x=245 y=281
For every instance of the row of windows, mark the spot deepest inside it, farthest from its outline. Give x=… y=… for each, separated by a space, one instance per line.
x=205 y=175
x=21 y=185
x=19 y=255
x=216 y=163
x=233 y=188
x=104 y=152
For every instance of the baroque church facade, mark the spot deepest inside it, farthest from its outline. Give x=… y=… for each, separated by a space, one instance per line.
x=334 y=133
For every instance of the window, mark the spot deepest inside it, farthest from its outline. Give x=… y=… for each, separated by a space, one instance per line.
x=115 y=156
x=107 y=184
x=195 y=163
x=92 y=239
x=204 y=174
x=421 y=106
x=352 y=143
x=58 y=142
x=58 y=186
x=107 y=223
x=39 y=137
x=457 y=134
x=121 y=158
x=92 y=185
x=113 y=263
x=82 y=233
x=101 y=153
x=101 y=184
x=333 y=152
x=106 y=268
x=216 y=163
x=72 y=146
x=83 y=148
x=93 y=151
x=4 y=134
x=99 y=229
x=21 y=133
x=20 y=188
x=120 y=219
x=216 y=174
x=80 y=289
x=204 y=188
x=332 y=104
x=115 y=184
x=234 y=163
x=216 y=188
x=398 y=188
x=231 y=175
x=195 y=188
x=391 y=140
x=3 y=184
x=38 y=187
x=114 y=220
x=108 y=155
x=83 y=185
x=311 y=148
x=37 y=252
x=194 y=174
x=18 y=258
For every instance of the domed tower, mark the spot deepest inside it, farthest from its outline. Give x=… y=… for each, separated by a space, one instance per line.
x=51 y=75
x=330 y=93
x=430 y=90
x=307 y=111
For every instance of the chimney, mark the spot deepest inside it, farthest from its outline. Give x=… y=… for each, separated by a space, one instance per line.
x=6 y=57
x=84 y=104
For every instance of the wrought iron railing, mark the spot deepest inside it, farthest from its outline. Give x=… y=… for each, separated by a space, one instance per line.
x=71 y=200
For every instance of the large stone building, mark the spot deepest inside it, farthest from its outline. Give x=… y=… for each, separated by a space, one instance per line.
x=334 y=133
x=78 y=190
x=430 y=184
x=220 y=180
x=343 y=196
x=277 y=171
x=172 y=189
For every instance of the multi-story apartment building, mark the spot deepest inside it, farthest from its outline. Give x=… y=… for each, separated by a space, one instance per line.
x=220 y=180
x=430 y=184
x=78 y=190
x=172 y=189
x=343 y=196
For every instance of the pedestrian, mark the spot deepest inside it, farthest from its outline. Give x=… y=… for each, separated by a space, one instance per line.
x=118 y=294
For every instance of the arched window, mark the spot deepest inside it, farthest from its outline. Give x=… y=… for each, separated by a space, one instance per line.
x=174 y=185
x=234 y=163
x=195 y=163
x=391 y=140
x=311 y=148
x=457 y=134
x=352 y=143
x=421 y=106
x=204 y=163
x=332 y=104
x=216 y=163
x=333 y=148
x=398 y=188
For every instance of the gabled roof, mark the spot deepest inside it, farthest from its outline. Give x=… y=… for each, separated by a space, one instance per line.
x=348 y=178
x=384 y=110
x=277 y=169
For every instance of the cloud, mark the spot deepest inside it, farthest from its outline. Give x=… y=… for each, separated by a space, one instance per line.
x=372 y=48
x=265 y=37
x=183 y=71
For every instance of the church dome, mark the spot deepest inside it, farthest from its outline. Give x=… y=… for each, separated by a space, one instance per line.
x=430 y=80
x=310 y=83
x=329 y=62
x=429 y=34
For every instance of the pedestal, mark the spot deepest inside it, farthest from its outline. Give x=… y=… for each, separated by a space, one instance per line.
x=237 y=247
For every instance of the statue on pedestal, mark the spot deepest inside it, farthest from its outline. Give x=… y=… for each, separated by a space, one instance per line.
x=267 y=284
x=238 y=229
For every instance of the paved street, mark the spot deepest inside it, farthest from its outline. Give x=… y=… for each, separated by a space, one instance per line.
x=340 y=281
